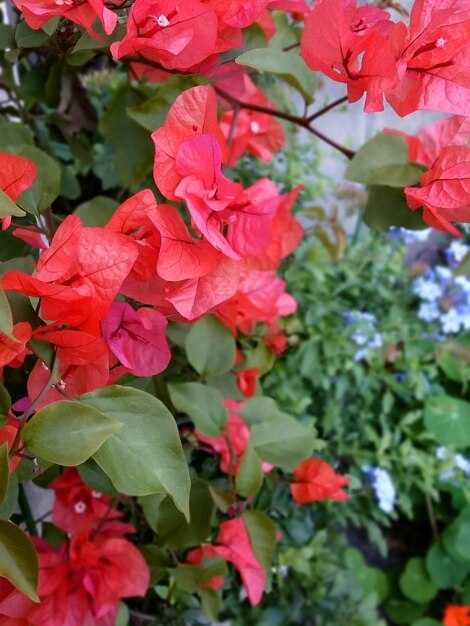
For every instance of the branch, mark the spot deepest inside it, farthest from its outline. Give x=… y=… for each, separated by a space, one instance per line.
x=303 y=122
x=327 y=108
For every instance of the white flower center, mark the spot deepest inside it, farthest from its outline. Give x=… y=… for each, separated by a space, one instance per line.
x=440 y=43
x=255 y=127
x=96 y=494
x=79 y=507
x=162 y=20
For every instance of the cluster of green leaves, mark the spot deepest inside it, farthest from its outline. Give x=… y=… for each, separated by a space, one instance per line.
x=391 y=409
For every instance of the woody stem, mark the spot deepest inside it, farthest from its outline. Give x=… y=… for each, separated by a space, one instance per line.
x=303 y=122
x=327 y=108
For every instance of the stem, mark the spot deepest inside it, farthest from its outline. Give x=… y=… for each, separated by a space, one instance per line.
x=26 y=511
x=231 y=485
x=327 y=108
x=288 y=117
x=304 y=122
x=104 y=519
x=27 y=414
x=432 y=517
x=357 y=228
x=233 y=125
x=33 y=229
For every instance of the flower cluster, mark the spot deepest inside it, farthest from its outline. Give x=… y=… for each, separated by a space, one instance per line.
x=83 y=579
x=456 y=616
x=452 y=463
x=147 y=253
x=420 y=65
x=365 y=334
x=383 y=486
x=445 y=298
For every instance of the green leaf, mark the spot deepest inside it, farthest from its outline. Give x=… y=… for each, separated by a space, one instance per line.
x=463 y=268
x=133 y=149
x=68 y=433
x=210 y=602
x=9 y=504
x=122 y=618
x=449 y=420
x=93 y=476
x=76 y=59
x=145 y=456
x=384 y=161
x=466 y=593
x=89 y=42
x=263 y=537
x=8 y=207
x=282 y=441
x=7 y=37
x=188 y=577
x=18 y=559
x=453 y=357
x=289 y=66
x=5 y=400
x=250 y=475
x=415 y=582
x=260 y=357
x=6 y=318
x=26 y=37
x=203 y=404
x=222 y=500
x=210 y=347
x=257 y=409
x=46 y=187
x=13 y=134
x=426 y=621
x=456 y=537
x=158 y=562
x=445 y=572
x=4 y=472
x=97 y=211
x=404 y=612
x=368 y=579
x=386 y=207
x=171 y=526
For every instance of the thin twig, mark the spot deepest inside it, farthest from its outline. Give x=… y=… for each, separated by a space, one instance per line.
x=30 y=410
x=327 y=108
x=288 y=117
x=432 y=517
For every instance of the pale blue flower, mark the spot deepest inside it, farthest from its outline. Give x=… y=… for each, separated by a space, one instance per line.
x=383 y=486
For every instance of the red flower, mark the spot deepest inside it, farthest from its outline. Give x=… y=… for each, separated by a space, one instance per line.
x=316 y=480
x=38 y=12
x=432 y=58
x=444 y=190
x=13 y=346
x=456 y=616
x=16 y=175
x=246 y=381
x=196 y=557
x=137 y=338
x=175 y=33
x=238 y=434
x=8 y=436
x=76 y=506
x=80 y=583
x=234 y=545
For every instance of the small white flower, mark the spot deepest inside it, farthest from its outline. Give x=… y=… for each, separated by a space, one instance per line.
x=451 y=322
x=79 y=507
